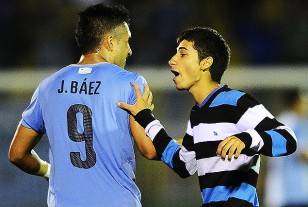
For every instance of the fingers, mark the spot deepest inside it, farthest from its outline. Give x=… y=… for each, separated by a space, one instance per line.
x=124 y=106
x=147 y=95
x=149 y=99
x=151 y=107
x=147 y=91
x=239 y=150
x=137 y=89
x=224 y=146
x=229 y=147
x=142 y=101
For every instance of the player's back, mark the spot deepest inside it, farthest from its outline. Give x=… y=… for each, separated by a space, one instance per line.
x=91 y=151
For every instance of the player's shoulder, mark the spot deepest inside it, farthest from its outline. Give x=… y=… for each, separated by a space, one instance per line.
x=54 y=75
x=48 y=81
x=124 y=75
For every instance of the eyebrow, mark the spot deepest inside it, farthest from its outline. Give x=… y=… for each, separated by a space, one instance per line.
x=182 y=48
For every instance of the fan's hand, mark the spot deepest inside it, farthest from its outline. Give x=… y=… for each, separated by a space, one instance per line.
x=229 y=147
x=142 y=102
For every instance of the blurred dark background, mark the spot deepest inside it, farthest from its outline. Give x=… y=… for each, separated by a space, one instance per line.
x=41 y=33
x=38 y=36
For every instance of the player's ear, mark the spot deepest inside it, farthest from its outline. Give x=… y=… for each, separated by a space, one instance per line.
x=206 y=63
x=108 y=42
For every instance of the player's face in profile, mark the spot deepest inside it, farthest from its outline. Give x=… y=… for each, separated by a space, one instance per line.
x=122 y=47
x=185 y=65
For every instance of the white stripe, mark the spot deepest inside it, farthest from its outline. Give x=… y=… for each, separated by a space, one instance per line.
x=153 y=128
x=189 y=157
x=256 y=168
x=189 y=129
x=214 y=132
x=257 y=142
x=217 y=164
x=288 y=129
x=253 y=116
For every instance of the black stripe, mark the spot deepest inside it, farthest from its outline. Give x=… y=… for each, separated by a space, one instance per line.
x=268 y=144
x=219 y=114
x=222 y=113
x=292 y=145
x=246 y=138
x=248 y=101
x=267 y=124
x=208 y=149
x=179 y=166
x=144 y=117
x=232 y=202
x=188 y=142
x=228 y=178
x=161 y=141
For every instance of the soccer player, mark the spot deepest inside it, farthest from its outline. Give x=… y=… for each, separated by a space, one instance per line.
x=91 y=154
x=288 y=176
x=227 y=130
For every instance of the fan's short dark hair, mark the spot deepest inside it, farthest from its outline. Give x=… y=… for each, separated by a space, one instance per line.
x=208 y=42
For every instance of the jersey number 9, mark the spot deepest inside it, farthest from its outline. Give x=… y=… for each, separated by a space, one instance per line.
x=86 y=136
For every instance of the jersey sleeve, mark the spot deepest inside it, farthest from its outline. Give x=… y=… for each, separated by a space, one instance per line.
x=187 y=152
x=32 y=116
x=181 y=159
x=261 y=131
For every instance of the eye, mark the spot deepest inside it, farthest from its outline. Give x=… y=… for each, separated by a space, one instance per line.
x=182 y=54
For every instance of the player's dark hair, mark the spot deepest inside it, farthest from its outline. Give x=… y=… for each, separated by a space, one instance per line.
x=95 y=21
x=209 y=42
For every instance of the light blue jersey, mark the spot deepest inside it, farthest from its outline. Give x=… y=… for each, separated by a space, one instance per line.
x=91 y=146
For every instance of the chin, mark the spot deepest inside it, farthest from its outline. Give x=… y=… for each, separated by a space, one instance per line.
x=123 y=65
x=180 y=88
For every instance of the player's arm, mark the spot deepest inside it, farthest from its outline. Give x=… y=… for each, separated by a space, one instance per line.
x=144 y=143
x=179 y=159
x=22 y=155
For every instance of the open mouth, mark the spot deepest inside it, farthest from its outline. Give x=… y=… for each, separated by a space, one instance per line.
x=175 y=73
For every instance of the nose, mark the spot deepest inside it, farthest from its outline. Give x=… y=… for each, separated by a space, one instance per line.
x=130 y=52
x=172 y=62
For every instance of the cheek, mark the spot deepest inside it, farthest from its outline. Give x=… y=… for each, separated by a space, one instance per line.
x=187 y=78
x=192 y=71
x=124 y=47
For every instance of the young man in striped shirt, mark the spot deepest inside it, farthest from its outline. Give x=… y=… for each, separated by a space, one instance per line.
x=227 y=130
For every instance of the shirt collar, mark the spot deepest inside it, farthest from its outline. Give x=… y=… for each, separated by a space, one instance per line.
x=209 y=96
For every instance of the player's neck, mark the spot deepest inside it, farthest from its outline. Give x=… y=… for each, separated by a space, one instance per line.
x=91 y=58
